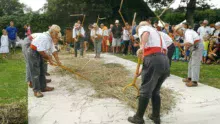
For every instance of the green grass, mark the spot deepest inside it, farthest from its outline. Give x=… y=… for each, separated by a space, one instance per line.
x=12 y=79
x=209 y=75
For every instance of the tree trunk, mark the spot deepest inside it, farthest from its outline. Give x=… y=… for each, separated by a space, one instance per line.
x=191 y=6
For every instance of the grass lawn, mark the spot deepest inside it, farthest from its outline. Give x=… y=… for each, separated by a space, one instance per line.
x=12 y=79
x=210 y=74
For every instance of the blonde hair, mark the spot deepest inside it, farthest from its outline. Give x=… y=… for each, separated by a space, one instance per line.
x=143 y=23
x=4 y=31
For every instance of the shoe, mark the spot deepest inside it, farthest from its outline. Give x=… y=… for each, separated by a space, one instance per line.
x=47 y=74
x=186 y=80
x=192 y=84
x=156 y=120
x=38 y=94
x=48 y=80
x=48 y=89
x=136 y=120
x=30 y=84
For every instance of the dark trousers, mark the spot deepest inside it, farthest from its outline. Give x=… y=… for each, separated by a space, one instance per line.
x=134 y=50
x=126 y=43
x=36 y=65
x=171 y=50
x=79 y=45
x=154 y=72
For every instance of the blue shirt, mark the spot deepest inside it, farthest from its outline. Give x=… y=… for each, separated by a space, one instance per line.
x=134 y=30
x=11 y=32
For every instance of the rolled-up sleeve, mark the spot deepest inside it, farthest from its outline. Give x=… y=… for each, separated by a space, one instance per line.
x=74 y=33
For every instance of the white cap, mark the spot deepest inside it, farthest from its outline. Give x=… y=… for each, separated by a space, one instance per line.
x=217 y=24
x=117 y=21
x=205 y=21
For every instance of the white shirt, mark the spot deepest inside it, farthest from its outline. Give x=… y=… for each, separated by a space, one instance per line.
x=44 y=42
x=35 y=35
x=154 y=39
x=94 y=32
x=216 y=34
x=168 y=40
x=77 y=32
x=202 y=31
x=125 y=35
x=4 y=41
x=190 y=36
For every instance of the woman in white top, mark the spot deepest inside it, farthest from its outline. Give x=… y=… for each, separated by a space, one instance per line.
x=4 y=44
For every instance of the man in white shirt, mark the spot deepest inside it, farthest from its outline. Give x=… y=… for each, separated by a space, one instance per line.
x=194 y=43
x=78 y=36
x=42 y=47
x=96 y=36
x=204 y=30
x=154 y=72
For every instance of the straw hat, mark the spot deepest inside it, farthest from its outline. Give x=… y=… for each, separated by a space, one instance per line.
x=117 y=21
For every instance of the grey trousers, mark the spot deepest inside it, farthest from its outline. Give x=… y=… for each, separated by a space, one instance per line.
x=36 y=65
x=195 y=62
x=154 y=72
x=98 y=47
x=79 y=45
x=25 y=46
x=12 y=44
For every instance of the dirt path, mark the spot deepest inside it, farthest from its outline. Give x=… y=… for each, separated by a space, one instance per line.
x=72 y=103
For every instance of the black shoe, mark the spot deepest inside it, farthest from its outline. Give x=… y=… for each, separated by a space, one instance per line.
x=136 y=120
x=156 y=120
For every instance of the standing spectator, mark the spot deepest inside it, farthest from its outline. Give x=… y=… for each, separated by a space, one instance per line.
x=134 y=46
x=204 y=29
x=110 y=36
x=117 y=32
x=96 y=36
x=105 y=41
x=126 y=38
x=216 y=33
x=206 y=47
x=28 y=30
x=176 y=54
x=212 y=28
x=4 y=44
x=12 y=34
x=166 y=29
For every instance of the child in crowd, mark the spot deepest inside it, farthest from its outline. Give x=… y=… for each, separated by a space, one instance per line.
x=4 y=49
x=176 y=54
x=206 y=47
x=187 y=54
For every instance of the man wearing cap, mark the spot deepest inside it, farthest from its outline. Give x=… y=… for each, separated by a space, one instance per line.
x=154 y=72
x=78 y=36
x=42 y=47
x=204 y=30
x=105 y=35
x=117 y=33
x=96 y=36
x=195 y=45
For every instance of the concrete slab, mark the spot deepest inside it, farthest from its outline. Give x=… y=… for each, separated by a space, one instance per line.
x=71 y=104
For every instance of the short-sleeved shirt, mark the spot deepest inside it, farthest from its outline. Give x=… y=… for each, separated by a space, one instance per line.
x=94 y=32
x=155 y=39
x=12 y=31
x=117 y=31
x=125 y=35
x=190 y=36
x=44 y=42
x=78 y=31
x=168 y=40
x=202 y=31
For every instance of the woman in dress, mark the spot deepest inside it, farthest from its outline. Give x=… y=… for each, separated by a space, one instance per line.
x=4 y=44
